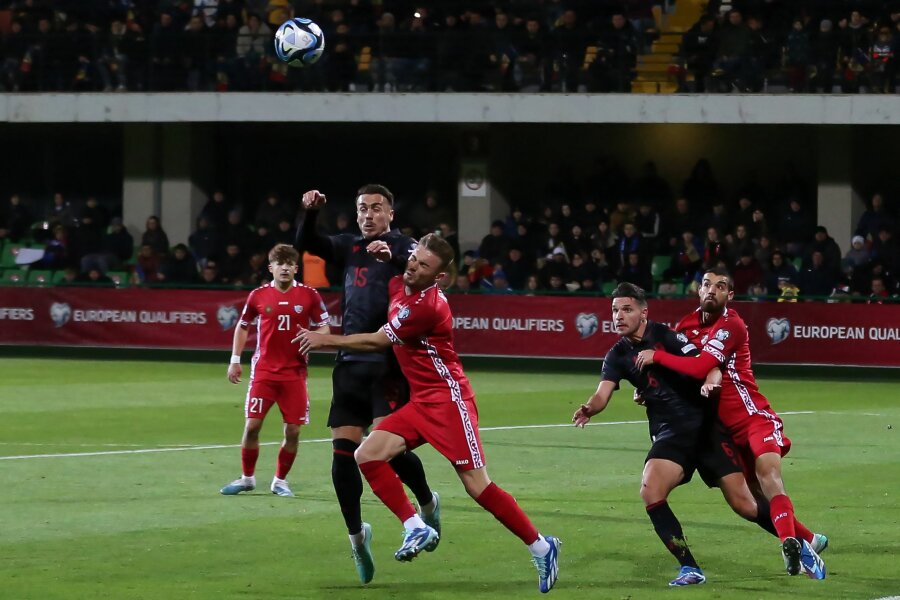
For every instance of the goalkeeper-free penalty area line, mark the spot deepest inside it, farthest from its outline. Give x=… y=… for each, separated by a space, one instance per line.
x=178 y=448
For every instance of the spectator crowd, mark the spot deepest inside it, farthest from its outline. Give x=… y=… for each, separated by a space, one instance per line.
x=390 y=45
x=817 y=47
x=638 y=230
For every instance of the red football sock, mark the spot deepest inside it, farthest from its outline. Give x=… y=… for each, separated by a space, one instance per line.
x=387 y=486
x=248 y=460
x=285 y=462
x=783 y=516
x=802 y=532
x=505 y=509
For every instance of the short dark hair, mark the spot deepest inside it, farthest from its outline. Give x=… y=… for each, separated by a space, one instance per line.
x=629 y=290
x=284 y=253
x=376 y=188
x=440 y=247
x=721 y=272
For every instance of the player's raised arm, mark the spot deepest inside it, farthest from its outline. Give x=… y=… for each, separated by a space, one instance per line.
x=308 y=238
x=237 y=346
x=360 y=342
x=595 y=404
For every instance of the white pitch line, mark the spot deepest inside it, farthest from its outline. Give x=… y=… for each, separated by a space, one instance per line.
x=314 y=441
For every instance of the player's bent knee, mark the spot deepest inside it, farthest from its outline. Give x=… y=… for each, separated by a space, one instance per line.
x=745 y=509
x=652 y=495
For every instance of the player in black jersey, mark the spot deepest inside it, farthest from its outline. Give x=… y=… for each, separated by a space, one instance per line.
x=683 y=426
x=366 y=387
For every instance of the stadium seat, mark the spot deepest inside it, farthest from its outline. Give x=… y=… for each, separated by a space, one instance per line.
x=14 y=277
x=364 y=61
x=40 y=277
x=608 y=287
x=590 y=54
x=798 y=263
x=659 y=266
x=644 y=87
x=8 y=258
x=679 y=291
x=59 y=277
x=120 y=278
x=668 y=87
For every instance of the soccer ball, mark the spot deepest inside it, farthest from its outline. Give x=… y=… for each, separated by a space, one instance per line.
x=299 y=42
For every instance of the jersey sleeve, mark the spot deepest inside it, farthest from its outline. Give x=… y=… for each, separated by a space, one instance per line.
x=249 y=314
x=412 y=323
x=678 y=344
x=318 y=312
x=308 y=239
x=725 y=339
x=612 y=368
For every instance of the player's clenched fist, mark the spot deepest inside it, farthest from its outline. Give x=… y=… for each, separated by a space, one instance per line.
x=379 y=250
x=313 y=199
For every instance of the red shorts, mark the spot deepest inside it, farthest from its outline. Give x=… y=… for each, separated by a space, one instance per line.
x=758 y=434
x=451 y=428
x=290 y=396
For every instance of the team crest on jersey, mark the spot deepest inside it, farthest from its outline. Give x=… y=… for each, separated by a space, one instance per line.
x=404 y=312
x=298 y=309
x=722 y=335
x=682 y=338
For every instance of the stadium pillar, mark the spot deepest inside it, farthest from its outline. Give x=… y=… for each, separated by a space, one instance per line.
x=140 y=186
x=166 y=167
x=839 y=206
x=479 y=202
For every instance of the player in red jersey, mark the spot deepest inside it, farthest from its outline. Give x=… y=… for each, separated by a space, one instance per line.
x=756 y=429
x=277 y=370
x=441 y=410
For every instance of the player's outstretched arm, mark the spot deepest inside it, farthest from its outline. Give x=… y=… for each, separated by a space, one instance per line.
x=360 y=342
x=692 y=366
x=237 y=346
x=595 y=404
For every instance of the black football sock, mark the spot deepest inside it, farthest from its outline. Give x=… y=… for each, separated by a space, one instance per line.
x=411 y=472
x=764 y=517
x=669 y=531
x=347 y=482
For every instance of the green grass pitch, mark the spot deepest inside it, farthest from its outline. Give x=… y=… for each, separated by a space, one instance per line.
x=120 y=522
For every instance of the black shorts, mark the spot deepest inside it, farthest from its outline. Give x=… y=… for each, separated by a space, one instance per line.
x=710 y=452
x=364 y=391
